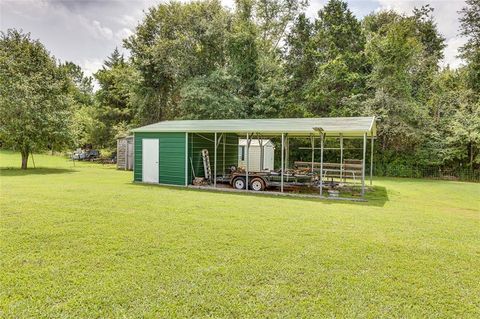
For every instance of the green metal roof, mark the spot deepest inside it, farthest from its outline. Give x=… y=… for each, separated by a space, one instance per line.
x=332 y=126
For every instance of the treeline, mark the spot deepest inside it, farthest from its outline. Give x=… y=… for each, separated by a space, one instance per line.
x=266 y=59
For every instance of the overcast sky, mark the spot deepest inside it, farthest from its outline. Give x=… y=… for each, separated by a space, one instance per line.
x=87 y=31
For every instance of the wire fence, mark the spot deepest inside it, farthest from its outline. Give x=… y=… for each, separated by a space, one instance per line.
x=457 y=174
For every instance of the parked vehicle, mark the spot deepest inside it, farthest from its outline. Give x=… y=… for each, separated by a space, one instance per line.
x=92 y=154
x=85 y=155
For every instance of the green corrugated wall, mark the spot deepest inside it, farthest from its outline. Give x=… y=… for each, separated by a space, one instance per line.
x=171 y=157
x=197 y=142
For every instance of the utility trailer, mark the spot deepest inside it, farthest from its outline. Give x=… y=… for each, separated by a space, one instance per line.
x=334 y=175
x=259 y=181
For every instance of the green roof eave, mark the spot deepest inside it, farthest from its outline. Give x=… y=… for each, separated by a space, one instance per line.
x=332 y=126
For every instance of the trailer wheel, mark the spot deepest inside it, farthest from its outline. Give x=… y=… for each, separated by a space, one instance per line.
x=257 y=184
x=239 y=183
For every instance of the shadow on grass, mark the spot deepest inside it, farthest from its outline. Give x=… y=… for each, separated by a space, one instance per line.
x=376 y=197
x=33 y=171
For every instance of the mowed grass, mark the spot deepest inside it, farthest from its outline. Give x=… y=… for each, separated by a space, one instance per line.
x=86 y=242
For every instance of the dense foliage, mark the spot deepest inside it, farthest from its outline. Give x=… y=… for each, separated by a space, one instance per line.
x=35 y=99
x=265 y=58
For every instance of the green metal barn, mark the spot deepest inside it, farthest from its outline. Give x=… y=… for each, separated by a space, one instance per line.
x=170 y=152
x=174 y=153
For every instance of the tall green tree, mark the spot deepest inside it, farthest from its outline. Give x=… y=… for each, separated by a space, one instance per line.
x=299 y=66
x=433 y=44
x=273 y=18
x=35 y=105
x=394 y=50
x=340 y=65
x=414 y=101
x=470 y=28
x=82 y=85
x=455 y=121
x=83 y=122
x=114 y=110
x=174 y=43
x=464 y=140
x=213 y=96
x=243 y=52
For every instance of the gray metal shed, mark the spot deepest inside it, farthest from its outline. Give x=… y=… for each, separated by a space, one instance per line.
x=125 y=153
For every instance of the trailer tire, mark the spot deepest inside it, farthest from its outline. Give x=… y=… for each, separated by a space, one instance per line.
x=257 y=184
x=239 y=183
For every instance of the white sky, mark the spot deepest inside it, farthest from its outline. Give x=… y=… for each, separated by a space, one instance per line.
x=86 y=32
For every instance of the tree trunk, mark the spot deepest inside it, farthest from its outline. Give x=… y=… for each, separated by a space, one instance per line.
x=24 y=159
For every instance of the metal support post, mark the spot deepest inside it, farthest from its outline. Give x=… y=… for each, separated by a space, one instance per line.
x=215 y=162
x=282 y=164
x=312 y=141
x=262 y=153
x=321 y=163
x=224 y=138
x=248 y=161
x=371 y=161
x=287 y=153
x=341 y=157
x=363 y=162
x=186 y=159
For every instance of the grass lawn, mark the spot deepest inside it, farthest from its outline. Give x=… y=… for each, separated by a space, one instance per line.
x=85 y=242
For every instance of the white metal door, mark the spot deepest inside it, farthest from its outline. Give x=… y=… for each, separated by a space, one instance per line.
x=268 y=158
x=150 y=160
